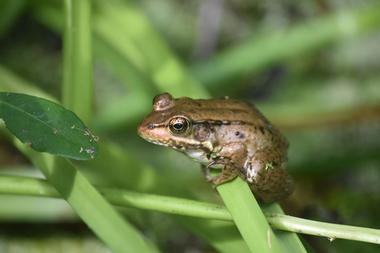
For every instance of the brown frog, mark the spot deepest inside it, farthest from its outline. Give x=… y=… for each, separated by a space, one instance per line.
x=225 y=134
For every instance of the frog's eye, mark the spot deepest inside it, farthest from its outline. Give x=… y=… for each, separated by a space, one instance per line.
x=179 y=125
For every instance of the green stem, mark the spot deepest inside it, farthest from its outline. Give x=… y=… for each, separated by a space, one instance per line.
x=88 y=203
x=15 y=185
x=77 y=62
x=167 y=204
x=329 y=230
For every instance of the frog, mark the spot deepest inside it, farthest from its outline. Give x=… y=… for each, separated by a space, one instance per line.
x=223 y=134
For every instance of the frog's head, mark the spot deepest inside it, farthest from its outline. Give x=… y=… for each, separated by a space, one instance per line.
x=171 y=124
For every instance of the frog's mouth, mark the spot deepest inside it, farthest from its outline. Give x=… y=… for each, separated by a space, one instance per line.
x=157 y=142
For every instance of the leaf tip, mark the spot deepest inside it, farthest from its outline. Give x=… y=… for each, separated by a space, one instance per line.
x=93 y=137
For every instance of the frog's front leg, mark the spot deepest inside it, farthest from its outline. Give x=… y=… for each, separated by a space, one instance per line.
x=207 y=172
x=231 y=157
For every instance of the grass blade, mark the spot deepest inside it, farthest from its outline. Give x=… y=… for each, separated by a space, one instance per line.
x=222 y=235
x=127 y=29
x=248 y=217
x=77 y=66
x=86 y=201
x=290 y=240
x=267 y=49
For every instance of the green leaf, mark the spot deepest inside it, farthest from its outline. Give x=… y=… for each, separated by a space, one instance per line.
x=47 y=126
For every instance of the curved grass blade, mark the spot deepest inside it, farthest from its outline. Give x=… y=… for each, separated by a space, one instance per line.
x=47 y=126
x=265 y=50
x=249 y=218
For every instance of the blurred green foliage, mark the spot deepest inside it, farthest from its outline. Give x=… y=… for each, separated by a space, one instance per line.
x=312 y=67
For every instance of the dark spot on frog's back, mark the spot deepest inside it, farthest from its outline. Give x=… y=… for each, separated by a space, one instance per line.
x=240 y=135
x=262 y=129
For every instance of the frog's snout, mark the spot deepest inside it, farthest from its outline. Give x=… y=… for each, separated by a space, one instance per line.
x=143 y=128
x=151 y=132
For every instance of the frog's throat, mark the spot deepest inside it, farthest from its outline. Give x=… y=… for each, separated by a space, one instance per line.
x=161 y=143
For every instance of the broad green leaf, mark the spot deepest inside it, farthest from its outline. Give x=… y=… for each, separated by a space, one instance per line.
x=47 y=126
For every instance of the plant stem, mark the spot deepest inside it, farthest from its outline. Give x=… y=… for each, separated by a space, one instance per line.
x=72 y=185
x=16 y=185
x=77 y=61
x=329 y=230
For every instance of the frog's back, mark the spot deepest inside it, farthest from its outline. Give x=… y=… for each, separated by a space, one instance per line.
x=226 y=111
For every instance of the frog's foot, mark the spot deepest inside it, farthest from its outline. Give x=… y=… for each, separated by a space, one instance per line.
x=214 y=155
x=226 y=175
x=206 y=169
x=207 y=172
